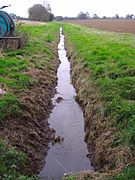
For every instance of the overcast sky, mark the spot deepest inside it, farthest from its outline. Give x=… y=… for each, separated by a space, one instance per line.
x=72 y=8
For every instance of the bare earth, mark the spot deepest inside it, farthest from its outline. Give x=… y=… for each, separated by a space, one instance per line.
x=125 y=26
x=30 y=22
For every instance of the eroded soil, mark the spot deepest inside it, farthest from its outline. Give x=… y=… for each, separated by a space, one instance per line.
x=29 y=130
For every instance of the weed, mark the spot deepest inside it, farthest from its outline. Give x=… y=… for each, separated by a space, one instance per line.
x=10 y=162
x=9 y=105
x=128 y=173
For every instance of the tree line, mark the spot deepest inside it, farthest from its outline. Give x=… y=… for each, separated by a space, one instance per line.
x=39 y=12
x=86 y=15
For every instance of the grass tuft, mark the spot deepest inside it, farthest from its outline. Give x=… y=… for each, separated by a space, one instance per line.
x=9 y=105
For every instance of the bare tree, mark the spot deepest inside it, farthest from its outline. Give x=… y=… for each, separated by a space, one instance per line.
x=47 y=6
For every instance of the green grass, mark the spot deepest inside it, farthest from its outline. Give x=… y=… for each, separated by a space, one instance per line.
x=14 y=66
x=9 y=105
x=128 y=173
x=11 y=72
x=10 y=163
x=111 y=60
x=14 y=76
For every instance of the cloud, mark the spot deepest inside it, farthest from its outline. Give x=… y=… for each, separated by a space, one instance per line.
x=73 y=7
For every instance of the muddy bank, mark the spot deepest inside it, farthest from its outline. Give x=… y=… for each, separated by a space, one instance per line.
x=29 y=130
x=99 y=133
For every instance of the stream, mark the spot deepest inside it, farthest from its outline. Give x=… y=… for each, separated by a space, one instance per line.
x=67 y=119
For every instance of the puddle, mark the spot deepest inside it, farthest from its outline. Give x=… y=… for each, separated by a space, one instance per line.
x=67 y=119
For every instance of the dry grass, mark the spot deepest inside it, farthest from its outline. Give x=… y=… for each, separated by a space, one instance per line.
x=30 y=22
x=85 y=175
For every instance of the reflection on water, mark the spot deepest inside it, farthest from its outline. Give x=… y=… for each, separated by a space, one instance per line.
x=67 y=119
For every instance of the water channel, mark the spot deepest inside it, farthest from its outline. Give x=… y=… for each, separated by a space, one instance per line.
x=68 y=121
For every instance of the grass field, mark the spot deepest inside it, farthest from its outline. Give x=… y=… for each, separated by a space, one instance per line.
x=108 y=64
x=125 y=26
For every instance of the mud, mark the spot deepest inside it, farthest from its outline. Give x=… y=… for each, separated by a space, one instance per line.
x=29 y=130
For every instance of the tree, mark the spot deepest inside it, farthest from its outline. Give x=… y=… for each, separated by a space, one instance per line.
x=95 y=16
x=13 y=15
x=38 y=13
x=104 y=17
x=88 y=15
x=47 y=6
x=116 y=16
x=82 y=15
x=129 y=16
x=51 y=17
x=58 y=18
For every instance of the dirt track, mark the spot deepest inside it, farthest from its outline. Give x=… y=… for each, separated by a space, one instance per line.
x=125 y=26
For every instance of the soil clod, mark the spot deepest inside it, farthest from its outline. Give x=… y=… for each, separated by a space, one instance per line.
x=59 y=99
x=58 y=139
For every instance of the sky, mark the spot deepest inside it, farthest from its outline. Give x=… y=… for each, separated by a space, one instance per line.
x=71 y=8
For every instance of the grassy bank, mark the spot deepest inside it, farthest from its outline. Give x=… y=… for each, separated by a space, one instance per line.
x=103 y=71
x=28 y=77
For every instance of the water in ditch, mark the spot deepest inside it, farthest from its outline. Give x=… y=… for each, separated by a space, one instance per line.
x=68 y=121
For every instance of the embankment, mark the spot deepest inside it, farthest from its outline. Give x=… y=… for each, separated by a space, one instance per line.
x=100 y=68
x=28 y=77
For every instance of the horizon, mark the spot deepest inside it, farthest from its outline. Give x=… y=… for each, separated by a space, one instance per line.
x=73 y=8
